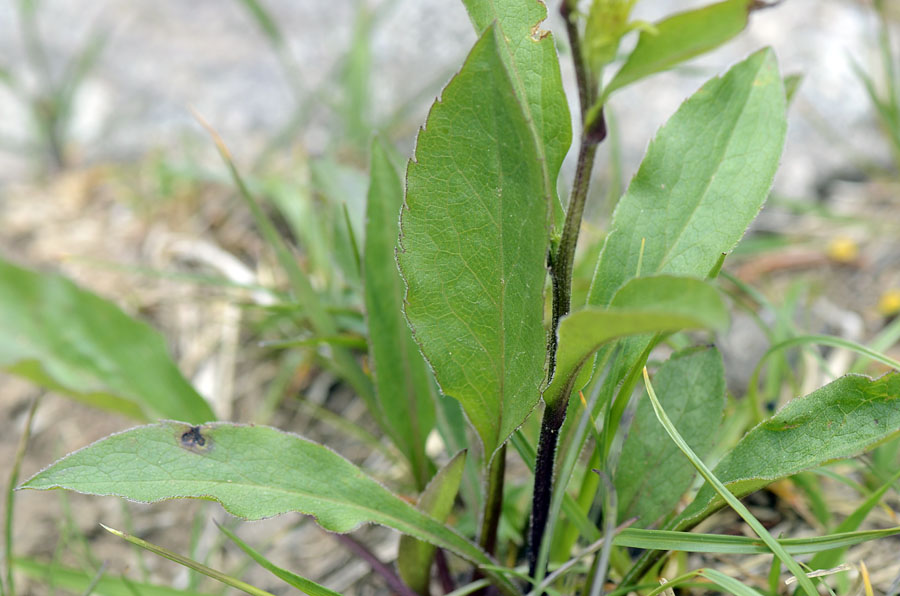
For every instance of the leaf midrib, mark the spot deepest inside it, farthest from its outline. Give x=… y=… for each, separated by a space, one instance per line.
x=712 y=177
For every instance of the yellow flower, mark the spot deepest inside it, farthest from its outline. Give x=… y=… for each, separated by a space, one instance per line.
x=889 y=303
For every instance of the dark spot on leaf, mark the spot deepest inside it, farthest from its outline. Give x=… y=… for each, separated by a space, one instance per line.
x=193 y=438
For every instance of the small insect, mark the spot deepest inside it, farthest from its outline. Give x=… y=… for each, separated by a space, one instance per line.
x=193 y=438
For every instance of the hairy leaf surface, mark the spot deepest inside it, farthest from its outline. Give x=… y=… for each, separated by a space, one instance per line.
x=67 y=339
x=253 y=471
x=842 y=419
x=474 y=235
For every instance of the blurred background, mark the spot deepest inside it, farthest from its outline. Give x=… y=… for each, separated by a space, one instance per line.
x=107 y=176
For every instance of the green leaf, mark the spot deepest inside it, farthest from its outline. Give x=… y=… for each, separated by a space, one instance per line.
x=530 y=57
x=742 y=545
x=680 y=38
x=306 y=586
x=76 y=580
x=840 y=420
x=473 y=247
x=253 y=471
x=652 y=474
x=265 y=21
x=644 y=305
x=777 y=549
x=414 y=557
x=404 y=389
x=703 y=180
x=606 y=23
x=67 y=339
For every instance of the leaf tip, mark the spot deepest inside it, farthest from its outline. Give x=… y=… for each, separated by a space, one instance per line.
x=112 y=530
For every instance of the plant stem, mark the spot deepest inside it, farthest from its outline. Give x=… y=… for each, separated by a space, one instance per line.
x=493 y=503
x=563 y=262
x=586 y=88
x=10 y=499
x=543 y=481
x=443 y=571
x=561 y=265
x=394 y=582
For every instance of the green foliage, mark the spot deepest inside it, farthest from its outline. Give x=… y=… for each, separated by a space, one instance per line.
x=679 y=38
x=253 y=471
x=463 y=255
x=64 y=338
x=403 y=384
x=473 y=243
x=301 y=583
x=842 y=419
x=76 y=580
x=652 y=475
x=414 y=557
x=529 y=54
x=644 y=305
x=704 y=178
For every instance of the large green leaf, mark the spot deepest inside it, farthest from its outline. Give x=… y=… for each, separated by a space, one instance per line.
x=67 y=339
x=404 y=389
x=703 y=180
x=652 y=474
x=840 y=420
x=644 y=305
x=253 y=471
x=474 y=235
x=679 y=38
x=531 y=59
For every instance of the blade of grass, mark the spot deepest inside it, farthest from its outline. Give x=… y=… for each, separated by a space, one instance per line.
x=729 y=583
x=353 y=242
x=825 y=340
x=190 y=564
x=10 y=500
x=96 y=580
x=886 y=338
x=724 y=544
x=850 y=523
x=610 y=515
x=301 y=583
x=469 y=588
x=70 y=580
x=729 y=498
x=395 y=584
x=312 y=306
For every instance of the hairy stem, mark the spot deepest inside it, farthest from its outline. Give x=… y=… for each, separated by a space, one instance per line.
x=561 y=265
x=543 y=481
